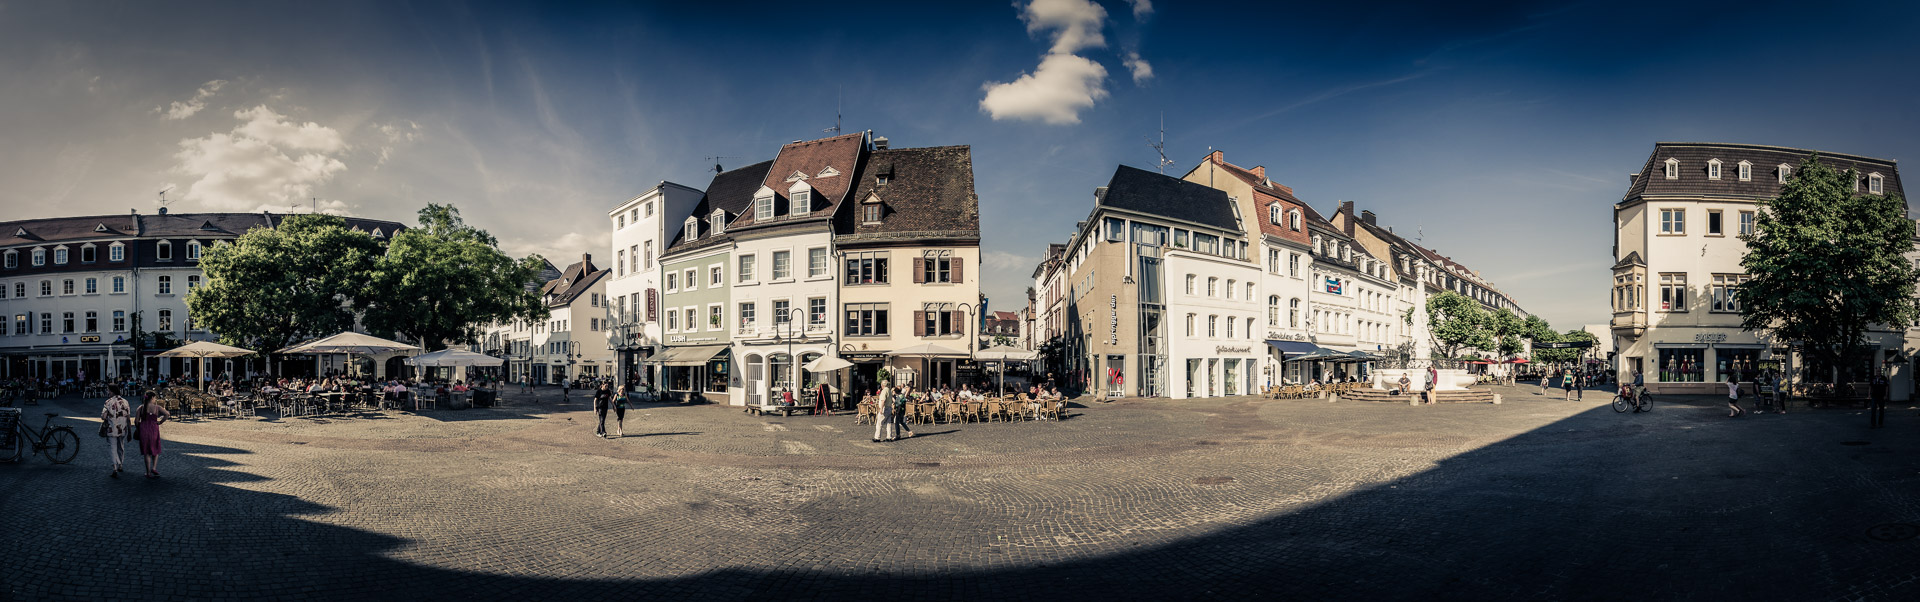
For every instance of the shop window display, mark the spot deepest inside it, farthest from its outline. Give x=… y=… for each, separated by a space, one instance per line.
x=717 y=371
x=1743 y=364
x=1681 y=365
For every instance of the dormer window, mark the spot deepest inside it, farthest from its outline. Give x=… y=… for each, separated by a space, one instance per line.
x=1294 y=217
x=59 y=256
x=1673 y=169
x=693 y=229
x=39 y=257
x=800 y=202
x=718 y=221
x=117 y=252
x=1746 y=171
x=882 y=179
x=378 y=234
x=13 y=259
x=871 y=211
x=763 y=207
x=1785 y=171
x=100 y=228
x=193 y=250
x=1273 y=214
x=1713 y=169
x=163 y=251
x=1317 y=249
x=88 y=254
x=1876 y=184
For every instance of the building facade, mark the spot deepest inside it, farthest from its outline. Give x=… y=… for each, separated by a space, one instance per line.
x=641 y=227
x=1677 y=253
x=697 y=361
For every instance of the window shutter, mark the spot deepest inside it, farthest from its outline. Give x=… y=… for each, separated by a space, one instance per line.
x=957 y=262
x=919 y=270
x=919 y=322
x=959 y=321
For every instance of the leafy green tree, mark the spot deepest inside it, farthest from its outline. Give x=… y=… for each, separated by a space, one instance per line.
x=440 y=283
x=1827 y=262
x=273 y=287
x=1561 y=356
x=1457 y=322
x=1537 y=329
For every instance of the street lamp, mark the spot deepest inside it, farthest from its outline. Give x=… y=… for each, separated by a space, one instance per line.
x=793 y=363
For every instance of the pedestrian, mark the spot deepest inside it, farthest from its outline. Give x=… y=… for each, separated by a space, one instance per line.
x=1733 y=397
x=1546 y=377
x=1780 y=393
x=602 y=400
x=151 y=416
x=113 y=418
x=1433 y=382
x=620 y=412
x=883 y=429
x=566 y=390
x=1580 y=386
x=900 y=414
x=1566 y=381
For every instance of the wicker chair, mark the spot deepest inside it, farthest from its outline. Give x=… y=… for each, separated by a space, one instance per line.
x=867 y=413
x=1050 y=410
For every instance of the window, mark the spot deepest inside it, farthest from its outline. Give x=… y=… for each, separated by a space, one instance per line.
x=93 y=286
x=1713 y=223
x=1713 y=169
x=649 y=208
x=716 y=317
x=746 y=317
x=691 y=229
x=746 y=268
x=782 y=265
x=193 y=282
x=673 y=320
x=1206 y=243
x=193 y=250
x=1293 y=313
x=13 y=259
x=166 y=320
x=1190 y=280
x=867 y=319
x=1116 y=229
x=938 y=267
x=1785 y=171
x=20 y=325
x=59 y=256
x=119 y=320
x=66 y=286
x=1746 y=223
x=1213 y=326
x=1294 y=218
x=640 y=265
x=1229 y=290
x=940 y=319
x=800 y=203
x=717 y=221
x=1273 y=310
x=19 y=289
x=763 y=208
x=690 y=279
x=93 y=321
x=1273 y=214
x=1673 y=169
x=1230 y=322
x=117 y=252
x=620 y=262
x=870 y=213
x=1726 y=292
x=1746 y=171
x=1673 y=221
x=1213 y=284
x=817 y=262
x=622 y=221
x=1190 y=324
x=781 y=315
x=66 y=322
x=1180 y=239
x=716 y=275
x=1293 y=265
x=867 y=268
x=1249 y=296
x=817 y=312
x=39 y=257
x=1673 y=292
x=1876 y=184
x=673 y=281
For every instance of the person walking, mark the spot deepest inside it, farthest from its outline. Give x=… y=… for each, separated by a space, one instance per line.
x=1433 y=382
x=900 y=414
x=1546 y=378
x=151 y=416
x=1580 y=381
x=566 y=390
x=883 y=428
x=1566 y=381
x=114 y=416
x=602 y=401
x=1733 y=397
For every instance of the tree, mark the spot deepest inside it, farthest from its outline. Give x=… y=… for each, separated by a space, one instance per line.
x=1457 y=322
x=273 y=287
x=1507 y=329
x=1537 y=329
x=1561 y=356
x=1826 y=263
x=440 y=283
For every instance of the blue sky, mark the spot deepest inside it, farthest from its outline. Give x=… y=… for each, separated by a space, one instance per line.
x=1501 y=132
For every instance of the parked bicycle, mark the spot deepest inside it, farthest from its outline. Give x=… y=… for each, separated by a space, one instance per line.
x=1633 y=397
x=58 y=443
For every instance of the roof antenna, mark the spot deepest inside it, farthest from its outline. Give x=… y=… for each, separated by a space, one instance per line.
x=836 y=112
x=1420 y=234
x=1161 y=146
x=716 y=163
x=163 y=202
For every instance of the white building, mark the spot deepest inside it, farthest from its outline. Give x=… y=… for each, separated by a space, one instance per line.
x=571 y=342
x=642 y=226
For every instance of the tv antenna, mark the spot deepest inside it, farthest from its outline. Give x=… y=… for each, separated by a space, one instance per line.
x=716 y=163
x=163 y=202
x=1161 y=146
x=1420 y=234
x=836 y=113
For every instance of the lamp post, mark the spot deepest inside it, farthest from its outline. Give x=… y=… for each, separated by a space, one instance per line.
x=793 y=363
x=967 y=331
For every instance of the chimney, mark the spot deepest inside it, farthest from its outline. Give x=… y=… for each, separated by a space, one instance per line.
x=1260 y=171
x=1099 y=194
x=1217 y=157
x=1633 y=177
x=586 y=258
x=879 y=143
x=1369 y=218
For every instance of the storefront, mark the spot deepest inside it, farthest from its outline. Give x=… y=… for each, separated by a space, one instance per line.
x=696 y=373
x=1233 y=370
x=1288 y=373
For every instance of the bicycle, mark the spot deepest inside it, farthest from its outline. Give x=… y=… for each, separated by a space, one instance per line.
x=1630 y=397
x=58 y=443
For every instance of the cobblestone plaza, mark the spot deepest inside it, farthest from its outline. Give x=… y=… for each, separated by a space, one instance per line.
x=1197 y=499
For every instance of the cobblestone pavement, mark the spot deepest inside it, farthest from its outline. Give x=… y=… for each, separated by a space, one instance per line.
x=1534 y=498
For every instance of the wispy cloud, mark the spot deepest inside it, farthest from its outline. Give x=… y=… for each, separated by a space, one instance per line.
x=1141 y=70
x=1334 y=93
x=1558 y=270
x=182 y=109
x=1141 y=8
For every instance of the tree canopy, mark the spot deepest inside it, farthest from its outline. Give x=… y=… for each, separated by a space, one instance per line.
x=273 y=287
x=1563 y=355
x=1827 y=262
x=439 y=284
x=1457 y=322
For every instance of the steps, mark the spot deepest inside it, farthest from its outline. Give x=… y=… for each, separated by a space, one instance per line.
x=1464 y=396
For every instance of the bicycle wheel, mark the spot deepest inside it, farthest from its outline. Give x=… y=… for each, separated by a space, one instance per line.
x=61 y=445
x=1620 y=403
x=1645 y=404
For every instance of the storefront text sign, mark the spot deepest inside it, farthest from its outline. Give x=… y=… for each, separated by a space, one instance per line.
x=681 y=338
x=1231 y=349
x=1718 y=337
x=1113 y=319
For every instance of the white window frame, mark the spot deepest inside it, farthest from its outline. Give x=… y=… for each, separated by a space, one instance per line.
x=1784 y=171
x=1673 y=169
x=1675 y=227
x=716 y=307
x=746 y=267
x=1876 y=184
x=119 y=285
x=717 y=221
x=1713 y=169
x=60 y=255
x=692 y=228
x=39 y=257
x=775 y=266
x=800 y=201
x=826 y=264
x=117 y=252
x=690 y=279
x=1746 y=171
x=716 y=274
x=763 y=207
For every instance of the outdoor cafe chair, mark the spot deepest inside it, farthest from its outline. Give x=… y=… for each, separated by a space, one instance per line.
x=1049 y=410
x=864 y=414
x=994 y=410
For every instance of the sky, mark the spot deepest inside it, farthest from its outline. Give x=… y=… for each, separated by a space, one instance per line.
x=1497 y=133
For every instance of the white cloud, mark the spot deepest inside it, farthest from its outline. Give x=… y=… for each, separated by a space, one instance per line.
x=187 y=108
x=1077 y=23
x=1002 y=260
x=1141 y=70
x=265 y=162
x=564 y=250
x=394 y=135
x=1054 y=93
x=1141 y=8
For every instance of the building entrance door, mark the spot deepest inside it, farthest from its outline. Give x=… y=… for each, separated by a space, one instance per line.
x=756 y=380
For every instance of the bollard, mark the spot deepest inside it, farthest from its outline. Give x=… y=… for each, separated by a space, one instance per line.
x=1496 y=399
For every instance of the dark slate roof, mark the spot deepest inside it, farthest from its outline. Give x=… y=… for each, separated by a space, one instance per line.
x=1693 y=182
x=731 y=191
x=827 y=164
x=1151 y=193
x=574 y=282
x=171 y=225
x=929 y=194
x=547 y=273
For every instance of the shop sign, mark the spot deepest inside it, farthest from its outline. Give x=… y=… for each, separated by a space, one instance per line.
x=1113 y=320
x=681 y=338
x=1232 y=349
x=863 y=357
x=1285 y=336
x=90 y=338
x=1717 y=337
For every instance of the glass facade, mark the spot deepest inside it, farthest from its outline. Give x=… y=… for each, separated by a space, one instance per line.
x=1682 y=365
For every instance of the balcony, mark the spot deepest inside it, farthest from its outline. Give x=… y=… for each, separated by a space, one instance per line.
x=1629 y=323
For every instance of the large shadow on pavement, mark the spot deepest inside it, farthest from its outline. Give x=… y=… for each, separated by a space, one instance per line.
x=1674 y=504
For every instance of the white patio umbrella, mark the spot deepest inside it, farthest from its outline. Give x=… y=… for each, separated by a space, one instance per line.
x=925 y=351
x=204 y=350
x=453 y=357
x=827 y=363
x=350 y=343
x=1000 y=355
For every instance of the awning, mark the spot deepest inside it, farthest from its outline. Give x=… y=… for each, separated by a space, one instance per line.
x=1293 y=347
x=697 y=355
